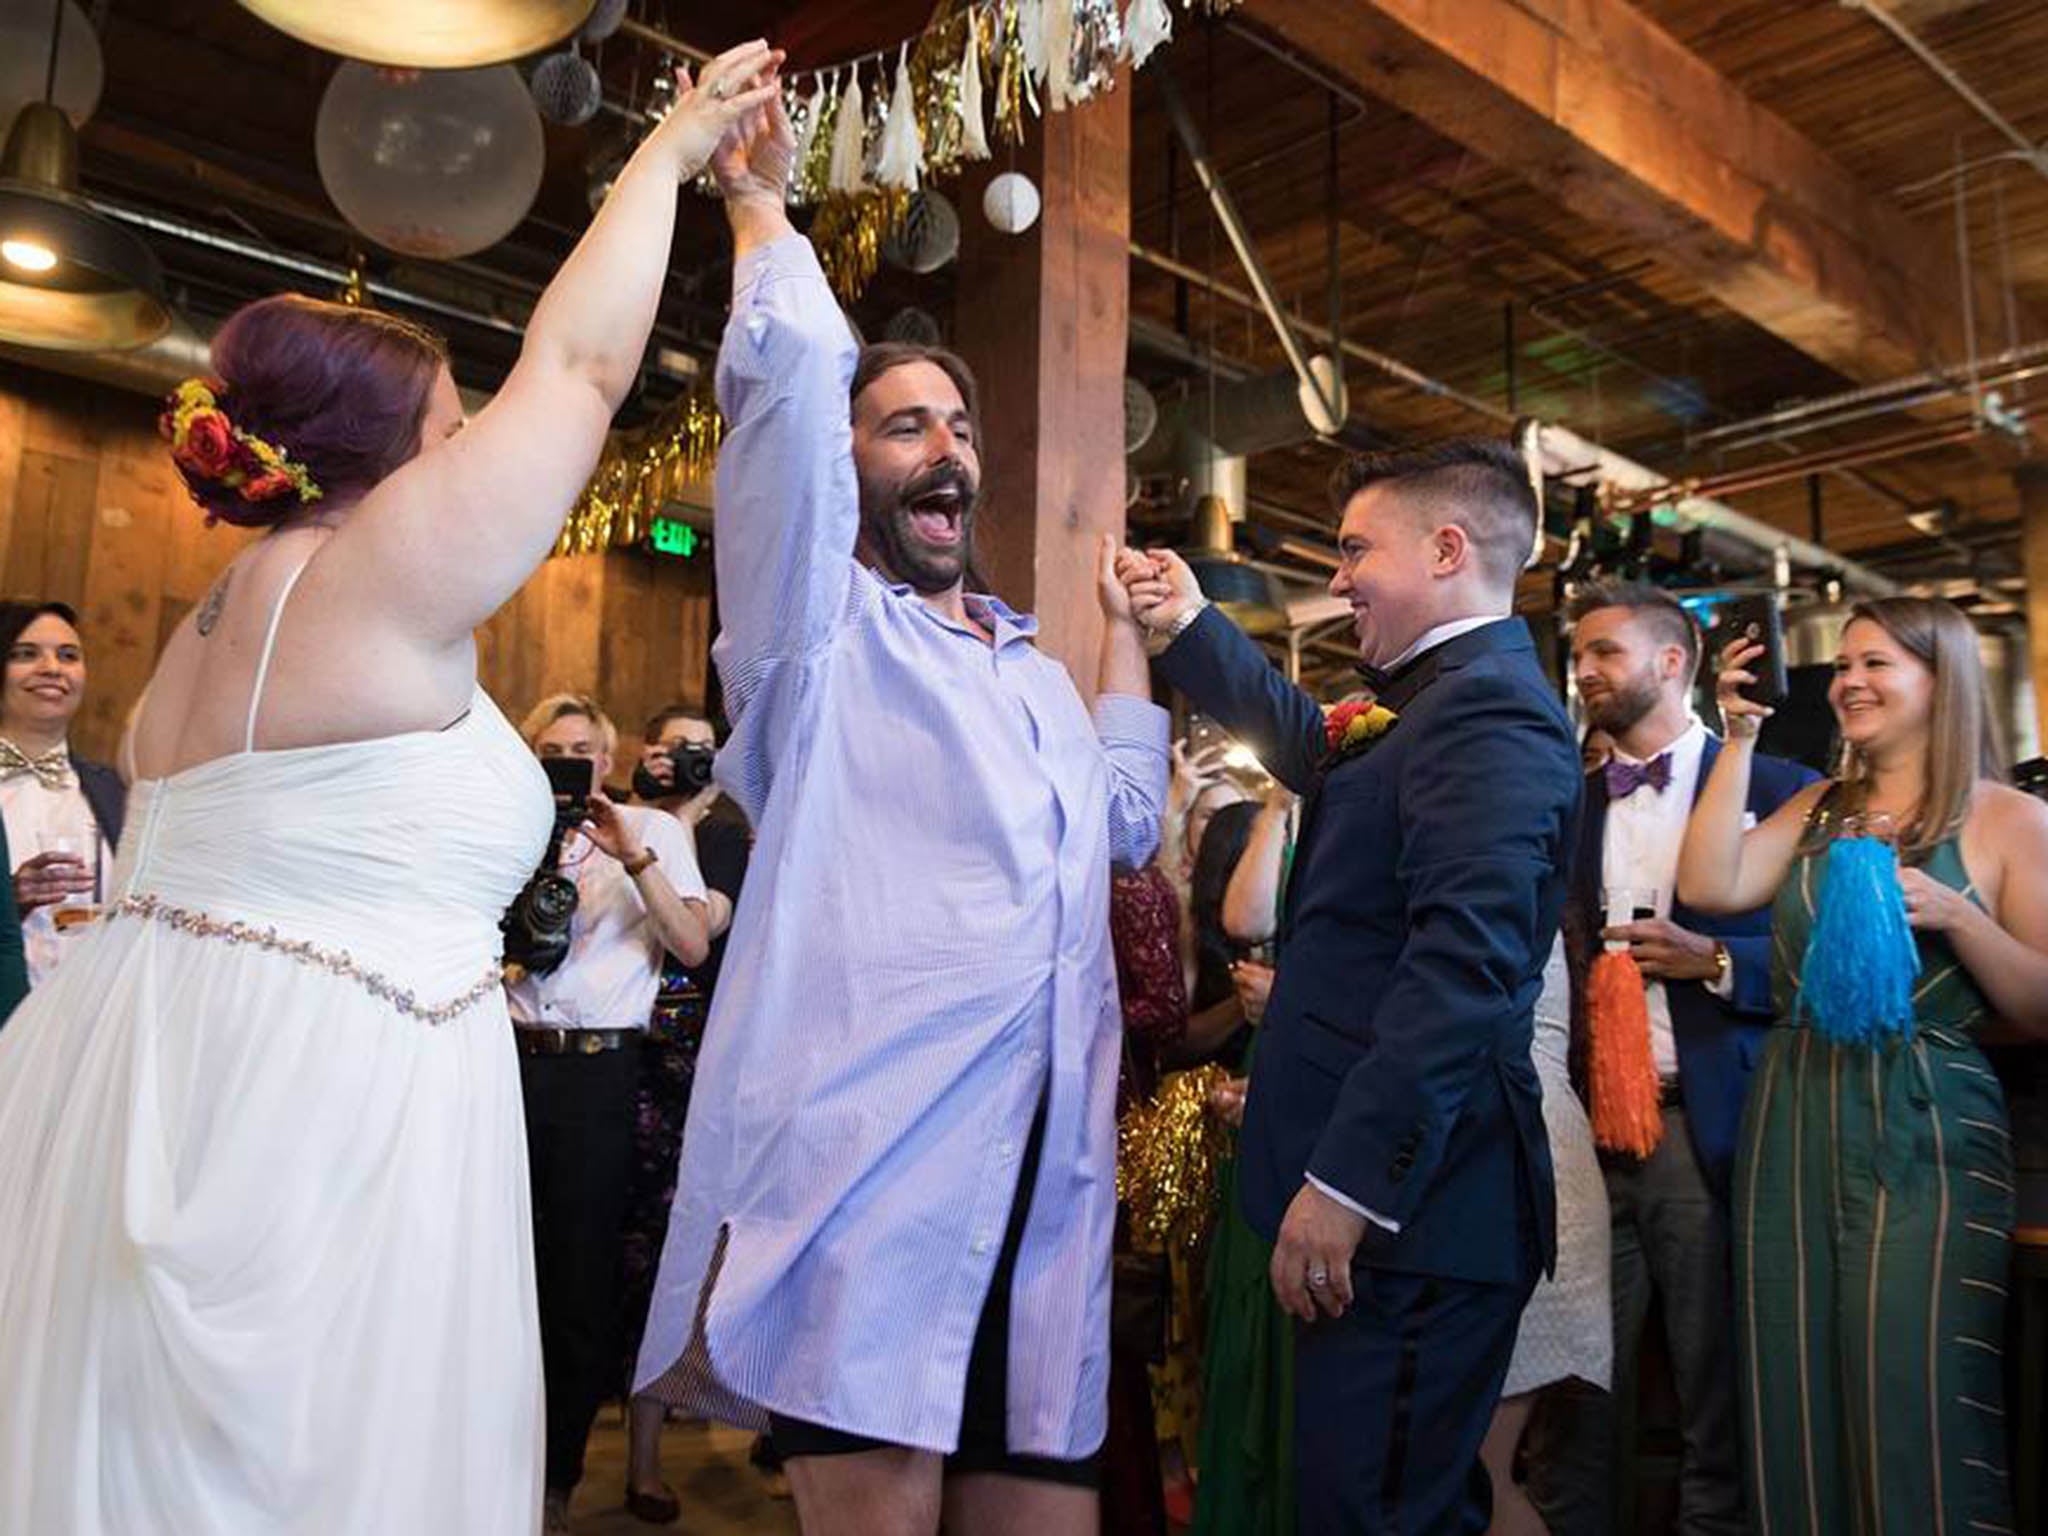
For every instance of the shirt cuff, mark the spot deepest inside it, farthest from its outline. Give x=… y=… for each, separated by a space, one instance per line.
x=1350 y=1204
x=789 y=256
x=1124 y=719
x=1723 y=985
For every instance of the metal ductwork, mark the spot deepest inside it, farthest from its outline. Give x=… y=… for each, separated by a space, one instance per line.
x=156 y=368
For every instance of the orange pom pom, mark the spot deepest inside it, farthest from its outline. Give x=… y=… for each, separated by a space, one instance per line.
x=1621 y=1074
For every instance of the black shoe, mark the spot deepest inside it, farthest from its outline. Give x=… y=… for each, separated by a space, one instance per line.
x=662 y=1508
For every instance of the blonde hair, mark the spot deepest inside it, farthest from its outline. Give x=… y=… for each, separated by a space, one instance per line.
x=1962 y=733
x=567 y=706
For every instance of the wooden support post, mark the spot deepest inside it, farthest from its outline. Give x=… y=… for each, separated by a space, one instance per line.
x=1042 y=318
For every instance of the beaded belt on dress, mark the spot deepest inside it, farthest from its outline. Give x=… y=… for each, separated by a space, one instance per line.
x=334 y=961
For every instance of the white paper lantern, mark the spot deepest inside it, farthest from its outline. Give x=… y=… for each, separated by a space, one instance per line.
x=1011 y=203
x=436 y=163
x=25 y=59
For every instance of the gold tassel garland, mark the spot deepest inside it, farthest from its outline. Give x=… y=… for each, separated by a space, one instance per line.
x=1167 y=1155
x=640 y=471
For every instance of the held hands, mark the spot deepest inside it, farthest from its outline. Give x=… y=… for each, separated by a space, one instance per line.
x=1667 y=952
x=1162 y=588
x=48 y=879
x=1742 y=717
x=756 y=157
x=733 y=90
x=1311 y=1268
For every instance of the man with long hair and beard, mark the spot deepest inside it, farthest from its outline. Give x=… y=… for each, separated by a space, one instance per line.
x=891 y=1238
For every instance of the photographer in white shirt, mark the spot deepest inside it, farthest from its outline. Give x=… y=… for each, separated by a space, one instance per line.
x=580 y=1030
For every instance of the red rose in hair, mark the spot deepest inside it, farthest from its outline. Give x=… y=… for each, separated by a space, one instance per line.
x=209 y=448
x=268 y=485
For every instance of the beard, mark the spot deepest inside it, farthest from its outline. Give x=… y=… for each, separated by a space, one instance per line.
x=898 y=524
x=1622 y=706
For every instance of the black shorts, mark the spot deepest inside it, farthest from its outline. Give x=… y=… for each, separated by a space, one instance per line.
x=984 y=1410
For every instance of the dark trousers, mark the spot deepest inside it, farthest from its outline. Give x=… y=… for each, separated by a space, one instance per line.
x=579 y=1149
x=1392 y=1401
x=1670 y=1239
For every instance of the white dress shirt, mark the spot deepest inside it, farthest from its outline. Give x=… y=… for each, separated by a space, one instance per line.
x=37 y=819
x=1645 y=832
x=613 y=969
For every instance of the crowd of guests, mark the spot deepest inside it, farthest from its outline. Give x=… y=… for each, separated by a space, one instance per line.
x=1818 y=1226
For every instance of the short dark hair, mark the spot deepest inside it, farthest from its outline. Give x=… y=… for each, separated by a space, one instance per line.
x=1653 y=605
x=16 y=614
x=659 y=721
x=878 y=358
x=1485 y=478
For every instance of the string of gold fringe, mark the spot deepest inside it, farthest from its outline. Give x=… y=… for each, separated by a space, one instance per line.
x=1167 y=1155
x=640 y=471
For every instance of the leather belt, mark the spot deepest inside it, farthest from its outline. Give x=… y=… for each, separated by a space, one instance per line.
x=549 y=1040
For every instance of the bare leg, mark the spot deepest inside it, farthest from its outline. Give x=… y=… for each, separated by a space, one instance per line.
x=643 y=1451
x=1513 y=1514
x=994 y=1504
x=890 y=1491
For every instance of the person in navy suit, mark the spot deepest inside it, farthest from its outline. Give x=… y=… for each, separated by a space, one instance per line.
x=1393 y=1144
x=1635 y=654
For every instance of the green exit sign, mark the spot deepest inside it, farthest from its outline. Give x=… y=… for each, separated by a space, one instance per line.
x=673 y=536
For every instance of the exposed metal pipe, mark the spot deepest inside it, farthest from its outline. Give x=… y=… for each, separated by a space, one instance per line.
x=1330 y=393
x=1392 y=366
x=1566 y=454
x=2036 y=154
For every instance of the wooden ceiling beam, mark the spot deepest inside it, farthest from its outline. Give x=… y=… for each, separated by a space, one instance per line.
x=1596 y=106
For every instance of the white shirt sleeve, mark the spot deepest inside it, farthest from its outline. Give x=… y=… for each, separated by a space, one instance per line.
x=1352 y=1205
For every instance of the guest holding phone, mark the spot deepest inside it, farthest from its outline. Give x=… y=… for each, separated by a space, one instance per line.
x=1873 y=1181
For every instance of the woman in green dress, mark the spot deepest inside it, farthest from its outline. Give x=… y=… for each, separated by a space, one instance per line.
x=1873 y=1183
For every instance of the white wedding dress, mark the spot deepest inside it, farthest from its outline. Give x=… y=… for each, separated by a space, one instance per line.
x=265 y=1252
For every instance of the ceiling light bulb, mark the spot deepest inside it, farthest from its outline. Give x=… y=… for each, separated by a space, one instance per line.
x=28 y=255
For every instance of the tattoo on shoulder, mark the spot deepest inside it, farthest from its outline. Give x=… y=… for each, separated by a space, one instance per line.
x=216 y=600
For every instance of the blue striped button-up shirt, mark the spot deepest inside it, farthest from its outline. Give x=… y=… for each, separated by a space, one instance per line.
x=922 y=952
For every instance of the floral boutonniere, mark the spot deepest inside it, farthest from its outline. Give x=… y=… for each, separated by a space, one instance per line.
x=1350 y=728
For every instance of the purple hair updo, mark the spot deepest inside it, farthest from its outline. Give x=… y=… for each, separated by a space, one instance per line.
x=338 y=389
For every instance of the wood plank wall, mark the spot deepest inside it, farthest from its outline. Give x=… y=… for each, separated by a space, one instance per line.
x=92 y=514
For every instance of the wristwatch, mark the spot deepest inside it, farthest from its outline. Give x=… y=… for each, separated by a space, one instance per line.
x=633 y=867
x=1173 y=630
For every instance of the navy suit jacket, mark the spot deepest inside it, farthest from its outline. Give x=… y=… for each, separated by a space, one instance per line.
x=1428 y=881
x=1717 y=1041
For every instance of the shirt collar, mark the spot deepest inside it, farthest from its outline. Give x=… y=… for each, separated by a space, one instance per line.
x=1685 y=748
x=1449 y=630
x=985 y=608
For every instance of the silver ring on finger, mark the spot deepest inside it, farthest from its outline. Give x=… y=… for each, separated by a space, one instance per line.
x=720 y=90
x=1319 y=1277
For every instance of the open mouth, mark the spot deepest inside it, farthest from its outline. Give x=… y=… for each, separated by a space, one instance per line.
x=937 y=516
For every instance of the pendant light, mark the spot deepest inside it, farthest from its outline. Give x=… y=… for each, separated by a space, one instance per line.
x=406 y=34
x=70 y=278
x=1249 y=597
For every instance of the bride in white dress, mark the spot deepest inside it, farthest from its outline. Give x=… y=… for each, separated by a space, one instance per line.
x=265 y=1261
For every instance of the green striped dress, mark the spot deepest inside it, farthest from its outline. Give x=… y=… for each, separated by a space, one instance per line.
x=1873 y=1207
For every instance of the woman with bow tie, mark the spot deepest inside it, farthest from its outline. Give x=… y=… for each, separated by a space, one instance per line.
x=62 y=815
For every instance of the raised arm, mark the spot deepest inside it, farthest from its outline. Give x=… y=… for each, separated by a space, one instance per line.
x=1251 y=902
x=1133 y=729
x=441 y=545
x=1722 y=868
x=788 y=502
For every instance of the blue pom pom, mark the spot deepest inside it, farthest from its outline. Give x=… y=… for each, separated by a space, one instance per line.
x=1856 y=983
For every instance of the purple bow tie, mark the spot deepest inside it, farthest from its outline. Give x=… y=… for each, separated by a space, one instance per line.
x=1624 y=779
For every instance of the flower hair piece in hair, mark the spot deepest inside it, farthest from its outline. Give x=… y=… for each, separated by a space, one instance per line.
x=206 y=443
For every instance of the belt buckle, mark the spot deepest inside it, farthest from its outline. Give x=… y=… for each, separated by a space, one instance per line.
x=590 y=1042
